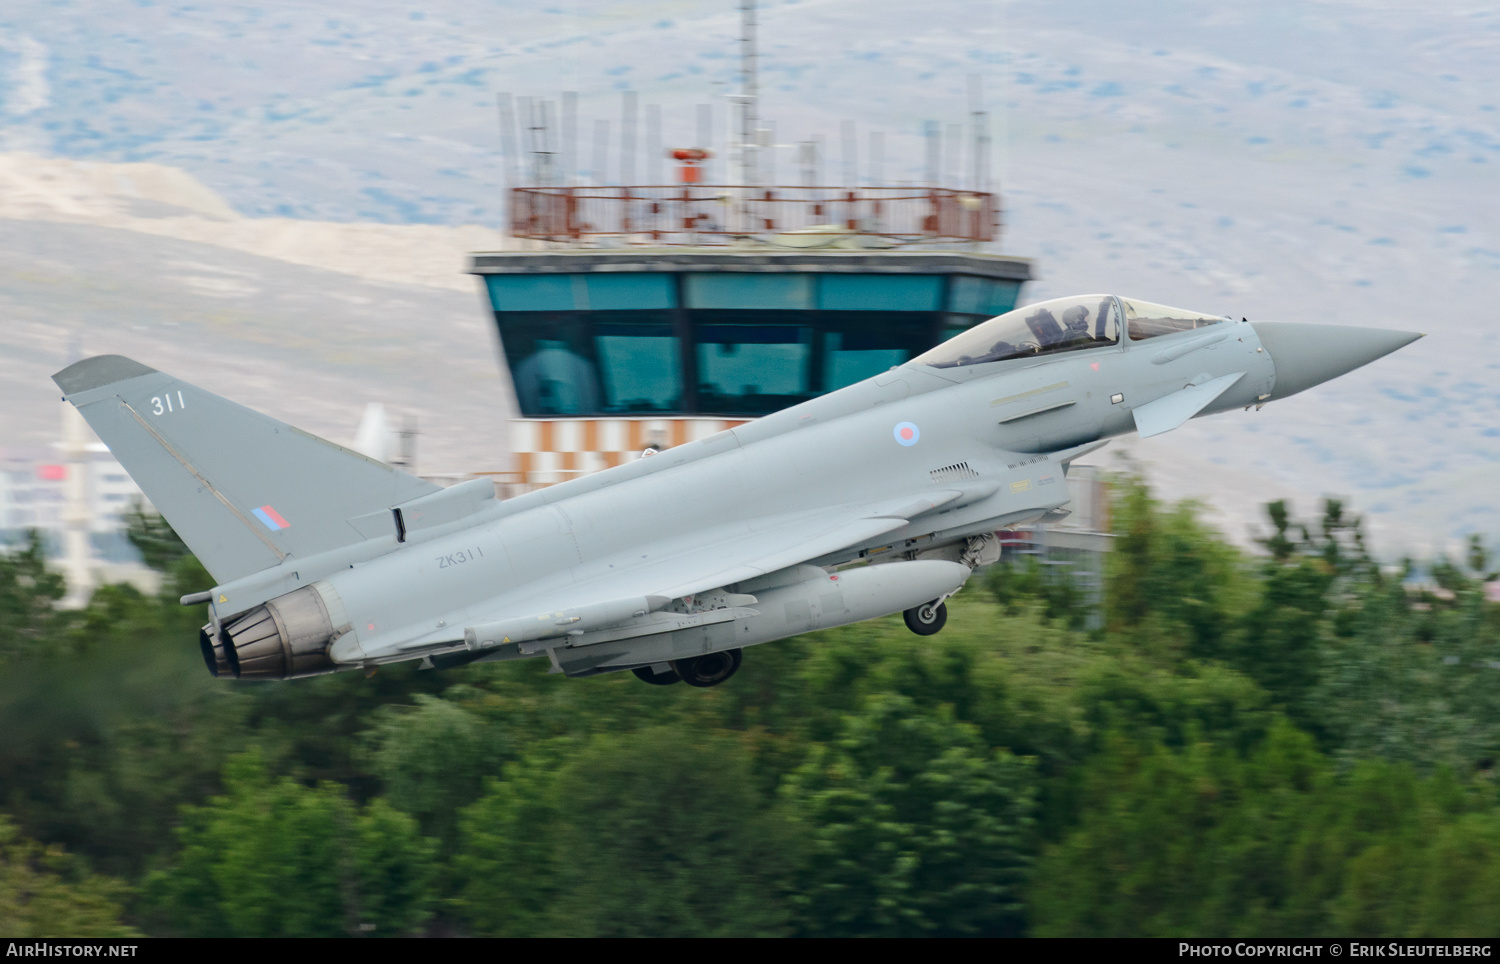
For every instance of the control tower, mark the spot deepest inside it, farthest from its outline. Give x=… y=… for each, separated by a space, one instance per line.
x=649 y=315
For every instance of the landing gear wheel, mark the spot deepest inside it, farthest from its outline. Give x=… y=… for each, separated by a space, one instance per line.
x=646 y=675
x=707 y=670
x=926 y=619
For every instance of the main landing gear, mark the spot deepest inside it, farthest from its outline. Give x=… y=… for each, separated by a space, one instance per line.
x=928 y=618
x=648 y=674
x=704 y=671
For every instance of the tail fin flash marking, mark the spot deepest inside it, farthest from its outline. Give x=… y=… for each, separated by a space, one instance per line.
x=271 y=518
x=207 y=485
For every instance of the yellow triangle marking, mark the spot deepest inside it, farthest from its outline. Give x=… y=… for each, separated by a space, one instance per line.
x=223 y=598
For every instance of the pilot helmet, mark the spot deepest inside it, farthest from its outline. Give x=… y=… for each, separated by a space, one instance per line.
x=1076 y=318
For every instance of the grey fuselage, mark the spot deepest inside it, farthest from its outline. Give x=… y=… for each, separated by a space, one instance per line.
x=993 y=432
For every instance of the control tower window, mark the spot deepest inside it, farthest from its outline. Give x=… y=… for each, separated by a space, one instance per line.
x=729 y=343
x=551 y=361
x=752 y=369
x=556 y=380
x=564 y=363
x=1048 y=327
x=865 y=348
x=639 y=366
x=1146 y=320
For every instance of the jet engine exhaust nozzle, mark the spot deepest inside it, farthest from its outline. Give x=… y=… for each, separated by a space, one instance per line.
x=285 y=638
x=215 y=655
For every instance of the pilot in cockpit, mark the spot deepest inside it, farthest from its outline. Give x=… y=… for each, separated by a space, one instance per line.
x=1076 y=321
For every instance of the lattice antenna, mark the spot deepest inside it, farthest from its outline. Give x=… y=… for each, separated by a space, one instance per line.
x=749 y=121
x=509 y=154
x=568 y=154
x=627 y=137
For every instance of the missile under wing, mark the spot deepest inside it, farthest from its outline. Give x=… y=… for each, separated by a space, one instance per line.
x=878 y=498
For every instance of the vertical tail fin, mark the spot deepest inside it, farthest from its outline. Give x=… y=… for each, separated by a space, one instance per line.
x=243 y=490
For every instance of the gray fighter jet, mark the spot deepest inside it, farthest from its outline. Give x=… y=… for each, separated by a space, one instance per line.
x=875 y=499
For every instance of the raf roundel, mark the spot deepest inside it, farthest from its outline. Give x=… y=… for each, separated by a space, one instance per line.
x=907 y=433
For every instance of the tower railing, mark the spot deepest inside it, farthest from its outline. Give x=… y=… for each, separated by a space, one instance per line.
x=705 y=214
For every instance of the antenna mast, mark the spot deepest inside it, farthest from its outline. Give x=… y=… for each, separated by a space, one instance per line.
x=749 y=175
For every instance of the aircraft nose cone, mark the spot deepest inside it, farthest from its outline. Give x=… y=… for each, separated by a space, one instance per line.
x=1308 y=355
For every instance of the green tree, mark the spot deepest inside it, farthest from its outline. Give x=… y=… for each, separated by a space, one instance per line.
x=45 y=893
x=1172 y=586
x=153 y=537
x=163 y=550
x=1014 y=583
x=1282 y=644
x=667 y=833
x=653 y=833
x=1408 y=674
x=29 y=592
x=110 y=725
x=506 y=865
x=273 y=858
x=396 y=873
x=914 y=827
x=433 y=758
x=1180 y=842
x=1460 y=878
x=1269 y=842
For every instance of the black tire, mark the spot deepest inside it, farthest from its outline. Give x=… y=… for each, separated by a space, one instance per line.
x=646 y=675
x=926 y=619
x=707 y=670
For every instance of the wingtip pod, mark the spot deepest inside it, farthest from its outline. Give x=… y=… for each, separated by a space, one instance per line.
x=97 y=372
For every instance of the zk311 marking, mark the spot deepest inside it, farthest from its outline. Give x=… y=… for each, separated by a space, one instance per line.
x=459 y=558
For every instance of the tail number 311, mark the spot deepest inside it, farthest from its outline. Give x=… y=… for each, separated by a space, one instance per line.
x=162 y=404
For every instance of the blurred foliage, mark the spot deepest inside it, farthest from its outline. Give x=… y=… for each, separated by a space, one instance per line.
x=275 y=858
x=433 y=758
x=1015 y=584
x=629 y=835
x=1293 y=742
x=29 y=592
x=156 y=541
x=913 y=826
x=1269 y=844
x=636 y=834
x=45 y=893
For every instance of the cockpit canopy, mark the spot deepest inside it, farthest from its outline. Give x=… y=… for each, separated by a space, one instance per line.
x=1145 y=320
x=1062 y=324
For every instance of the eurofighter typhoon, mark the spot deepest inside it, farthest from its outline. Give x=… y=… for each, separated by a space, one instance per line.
x=879 y=498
